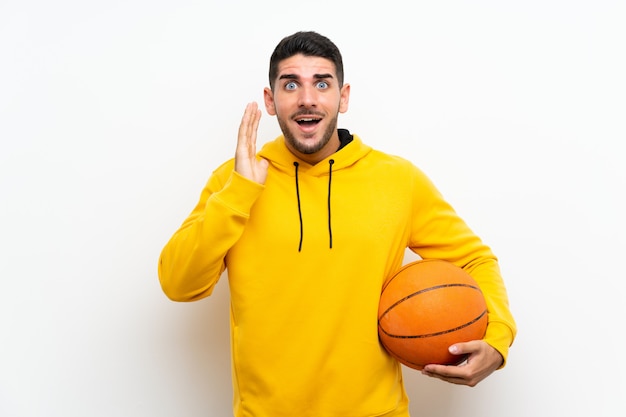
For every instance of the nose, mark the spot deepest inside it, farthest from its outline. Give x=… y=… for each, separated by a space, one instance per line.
x=307 y=96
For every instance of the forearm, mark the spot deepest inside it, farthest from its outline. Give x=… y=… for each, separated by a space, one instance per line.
x=470 y=253
x=438 y=232
x=501 y=328
x=193 y=260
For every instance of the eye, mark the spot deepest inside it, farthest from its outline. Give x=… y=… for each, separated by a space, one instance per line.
x=322 y=85
x=290 y=86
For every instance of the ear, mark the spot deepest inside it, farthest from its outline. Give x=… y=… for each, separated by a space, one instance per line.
x=268 y=97
x=344 y=98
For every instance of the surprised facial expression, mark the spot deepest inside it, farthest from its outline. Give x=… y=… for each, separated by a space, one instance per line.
x=306 y=100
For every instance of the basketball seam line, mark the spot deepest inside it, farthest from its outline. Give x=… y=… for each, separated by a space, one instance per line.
x=436 y=287
x=422 y=336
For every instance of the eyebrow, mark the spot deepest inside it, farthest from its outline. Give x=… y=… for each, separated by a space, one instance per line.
x=296 y=77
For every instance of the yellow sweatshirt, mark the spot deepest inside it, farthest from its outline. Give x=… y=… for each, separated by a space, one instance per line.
x=307 y=254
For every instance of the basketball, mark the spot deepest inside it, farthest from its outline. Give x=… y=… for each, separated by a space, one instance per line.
x=427 y=306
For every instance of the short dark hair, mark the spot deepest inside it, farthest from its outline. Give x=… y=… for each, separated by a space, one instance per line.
x=308 y=44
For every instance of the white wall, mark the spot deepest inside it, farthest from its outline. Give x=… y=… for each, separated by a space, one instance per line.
x=114 y=113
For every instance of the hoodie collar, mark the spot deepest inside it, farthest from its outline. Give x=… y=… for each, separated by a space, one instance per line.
x=350 y=151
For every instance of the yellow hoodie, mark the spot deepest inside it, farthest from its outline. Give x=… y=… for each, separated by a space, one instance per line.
x=307 y=254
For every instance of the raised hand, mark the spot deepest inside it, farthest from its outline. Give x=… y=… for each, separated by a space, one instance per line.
x=246 y=162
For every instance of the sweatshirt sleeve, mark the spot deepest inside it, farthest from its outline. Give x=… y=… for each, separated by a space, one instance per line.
x=439 y=233
x=192 y=261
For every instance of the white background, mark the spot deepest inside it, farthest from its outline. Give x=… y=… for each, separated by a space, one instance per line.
x=114 y=113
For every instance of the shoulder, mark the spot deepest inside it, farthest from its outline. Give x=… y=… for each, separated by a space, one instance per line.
x=398 y=169
x=394 y=162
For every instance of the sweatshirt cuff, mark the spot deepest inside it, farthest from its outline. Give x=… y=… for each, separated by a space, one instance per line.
x=500 y=337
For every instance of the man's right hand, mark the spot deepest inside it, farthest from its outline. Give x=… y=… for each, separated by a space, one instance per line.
x=246 y=162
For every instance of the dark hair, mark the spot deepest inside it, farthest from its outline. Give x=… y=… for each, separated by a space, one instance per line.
x=307 y=44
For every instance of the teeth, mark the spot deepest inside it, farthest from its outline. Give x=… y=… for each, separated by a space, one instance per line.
x=307 y=120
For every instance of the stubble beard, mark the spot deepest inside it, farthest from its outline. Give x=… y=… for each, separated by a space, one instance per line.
x=308 y=149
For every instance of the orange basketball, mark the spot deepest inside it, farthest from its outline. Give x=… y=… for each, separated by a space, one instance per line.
x=426 y=307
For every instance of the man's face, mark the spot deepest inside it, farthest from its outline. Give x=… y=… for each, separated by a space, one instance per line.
x=306 y=101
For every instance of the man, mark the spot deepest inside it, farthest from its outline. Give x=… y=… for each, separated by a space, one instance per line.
x=309 y=228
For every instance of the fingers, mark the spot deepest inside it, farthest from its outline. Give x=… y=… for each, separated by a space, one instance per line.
x=482 y=360
x=246 y=139
x=246 y=162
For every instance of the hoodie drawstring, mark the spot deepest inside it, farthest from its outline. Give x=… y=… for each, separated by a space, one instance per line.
x=330 y=226
x=295 y=164
x=330 y=229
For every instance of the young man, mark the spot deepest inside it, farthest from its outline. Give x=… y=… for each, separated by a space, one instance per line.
x=309 y=229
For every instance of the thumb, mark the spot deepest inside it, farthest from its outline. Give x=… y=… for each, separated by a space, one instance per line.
x=460 y=348
x=455 y=350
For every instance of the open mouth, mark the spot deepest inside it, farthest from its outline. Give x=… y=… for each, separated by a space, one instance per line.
x=308 y=121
